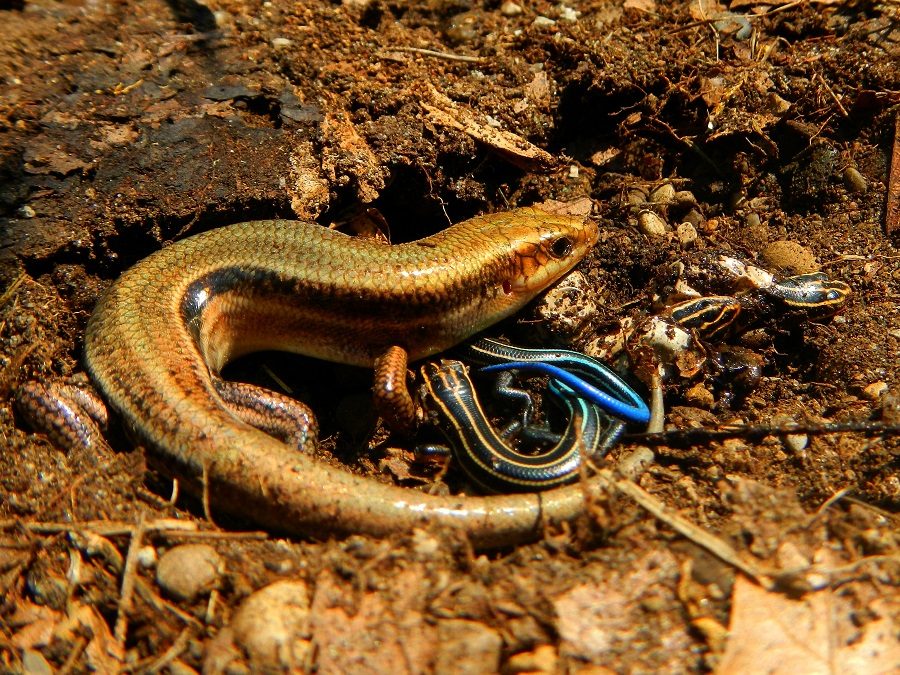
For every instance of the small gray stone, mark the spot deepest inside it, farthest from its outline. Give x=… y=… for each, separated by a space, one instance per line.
x=685 y=198
x=751 y=220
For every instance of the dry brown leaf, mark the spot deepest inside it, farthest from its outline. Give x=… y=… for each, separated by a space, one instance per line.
x=539 y=89
x=515 y=149
x=773 y=634
x=376 y=632
x=580 y=207
x=367 y=171
x=102 y=653
x=33 y=625
x=641 y=5
x=43 y=156
x=703 y=10
x=593 y=618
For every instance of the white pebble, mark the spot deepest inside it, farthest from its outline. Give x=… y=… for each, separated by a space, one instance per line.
x=651 y=224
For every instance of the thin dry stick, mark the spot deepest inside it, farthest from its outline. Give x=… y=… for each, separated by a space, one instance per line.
x=74 y=655
x=436 y=54
x=207 y=509
x=173 y=652
x=892 y=207
x=104 y=528
x=12 y=288
x=718 y=547
x=830 y=91
x=159 y=604
x=128 y=580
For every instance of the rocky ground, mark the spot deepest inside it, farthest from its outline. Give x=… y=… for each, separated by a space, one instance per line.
x=761 y=128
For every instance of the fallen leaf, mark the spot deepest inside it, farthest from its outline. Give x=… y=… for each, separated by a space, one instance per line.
x=771 y=633
x=515 y=149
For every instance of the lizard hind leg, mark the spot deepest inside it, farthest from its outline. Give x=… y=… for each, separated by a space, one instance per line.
x=71 y=414
x=281 y=416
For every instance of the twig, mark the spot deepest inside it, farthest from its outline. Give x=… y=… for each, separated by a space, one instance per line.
x=128 y=581
x=207 y=508
x=12 y=288
x=167 y=527
x=438 y=55
x=151 y=598
x=256 y=535
x=718 y=547
x=177 y=648
x=833 y=95
x=74 y=655
x=105 y=528
x=750 y=432
x=892 y=206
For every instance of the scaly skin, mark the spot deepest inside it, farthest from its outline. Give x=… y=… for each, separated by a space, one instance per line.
x=191 y=307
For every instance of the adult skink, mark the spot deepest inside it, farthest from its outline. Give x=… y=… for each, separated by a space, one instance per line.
x=185 y=311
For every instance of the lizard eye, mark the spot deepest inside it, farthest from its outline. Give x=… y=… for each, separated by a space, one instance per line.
x=561 y=247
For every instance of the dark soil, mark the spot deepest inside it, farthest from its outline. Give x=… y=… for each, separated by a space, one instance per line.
x=126 y=126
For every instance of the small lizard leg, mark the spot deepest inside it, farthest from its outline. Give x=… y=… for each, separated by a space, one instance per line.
x=73 y=416
x=278 y=415
x=393 y=402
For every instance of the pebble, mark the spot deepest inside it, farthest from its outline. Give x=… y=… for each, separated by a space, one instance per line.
x=566 y=13
x=664 y=194
x=543 y=22
x=789 y=257
x=463 y=27
x=796 y=443
x=467 y=647
x=700 y=397
x=890 y=408
x=777 y=104
x=874 y=391
x=567 y=308
x=686 y=233
x=685 y=198
x=425 y=545
x=651 y=225
x=190 y=570
x=146 y=557
x=542 y=660
x=636 y=196
x=281 y=43
x=633 y=465
x=272 y=626
x=510 y=9
x=854 y=181
x=693 y=216
x=34 y=663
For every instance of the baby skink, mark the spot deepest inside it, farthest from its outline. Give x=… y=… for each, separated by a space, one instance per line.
x=185 y=311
